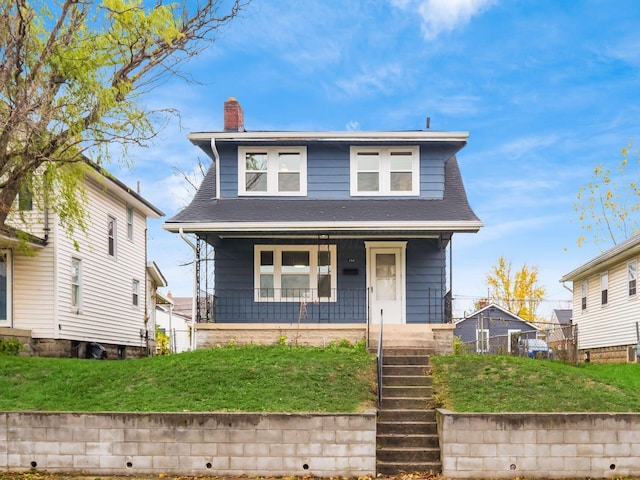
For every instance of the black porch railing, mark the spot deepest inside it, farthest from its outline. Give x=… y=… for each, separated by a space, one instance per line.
x=290 y=306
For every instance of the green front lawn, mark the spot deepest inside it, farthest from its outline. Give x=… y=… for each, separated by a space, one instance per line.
x=492 y=383
x=276 y=378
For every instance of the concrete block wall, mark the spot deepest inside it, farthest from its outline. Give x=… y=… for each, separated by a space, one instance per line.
x=539 y=445
x=323 y=445
x=209 y=335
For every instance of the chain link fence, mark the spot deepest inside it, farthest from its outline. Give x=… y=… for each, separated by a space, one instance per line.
x=552 y=341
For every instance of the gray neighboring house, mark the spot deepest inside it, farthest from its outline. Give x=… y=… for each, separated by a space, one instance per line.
x=493 y=329
x=328 y=227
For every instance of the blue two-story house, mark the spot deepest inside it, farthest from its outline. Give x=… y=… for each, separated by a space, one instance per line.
x=328 y=227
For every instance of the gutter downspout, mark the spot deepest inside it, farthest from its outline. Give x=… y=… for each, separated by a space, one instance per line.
x=193 y=296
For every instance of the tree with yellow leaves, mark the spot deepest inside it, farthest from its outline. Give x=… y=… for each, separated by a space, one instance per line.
x=608 y=206
x=518 y=292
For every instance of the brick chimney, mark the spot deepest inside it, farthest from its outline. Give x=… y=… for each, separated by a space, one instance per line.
x=233 y=116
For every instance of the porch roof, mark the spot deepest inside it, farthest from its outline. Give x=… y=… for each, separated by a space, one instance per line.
x=452 y=213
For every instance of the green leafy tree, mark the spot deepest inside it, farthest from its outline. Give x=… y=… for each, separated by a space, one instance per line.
x=162 y=342
x=72 y=75
x=608 y=206
x=519 y=291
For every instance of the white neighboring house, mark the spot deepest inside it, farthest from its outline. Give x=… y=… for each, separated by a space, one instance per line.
x=175 y=324
x=155 y=280
x=88 y=288
x=606 y=307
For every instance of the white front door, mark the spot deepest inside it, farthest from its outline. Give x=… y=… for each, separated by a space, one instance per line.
x=386 y=281
x=5 y=288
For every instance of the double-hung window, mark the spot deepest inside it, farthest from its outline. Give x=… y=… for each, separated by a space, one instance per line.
x=135 y=293
x=272 y=171
x=632 y=275
x=295 y=272
x=111 y=236
x=130 y=222
x=482 y=341
x=76 y=283
x=604 y=288
x=584 y=292
x=384 y=171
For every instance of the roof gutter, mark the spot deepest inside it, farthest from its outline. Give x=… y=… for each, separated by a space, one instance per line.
x=416 y=135
x=463 y=226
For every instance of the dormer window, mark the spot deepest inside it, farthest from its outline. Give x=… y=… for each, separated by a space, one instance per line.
x=272 y=171
x=385 y=171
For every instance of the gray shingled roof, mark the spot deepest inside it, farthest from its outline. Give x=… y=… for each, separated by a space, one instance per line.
x=205 y=208
x=563 y=315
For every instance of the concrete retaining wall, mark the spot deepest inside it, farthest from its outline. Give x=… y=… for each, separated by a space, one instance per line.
x=321 y=445
x=316 y=335
x=545 y=445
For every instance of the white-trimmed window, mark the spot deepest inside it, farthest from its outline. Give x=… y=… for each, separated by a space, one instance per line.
x=130 y=222
x=6 y=282
x=379 y=171
x=295 y=272
x=482 y=341
x=279 y=171
x=604 y=288
x=584 y=293
x=135 y=293
x=111 y=236
x=632 y=275
x=76 y=283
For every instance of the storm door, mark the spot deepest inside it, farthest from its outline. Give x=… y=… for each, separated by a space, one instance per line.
x=386 y=281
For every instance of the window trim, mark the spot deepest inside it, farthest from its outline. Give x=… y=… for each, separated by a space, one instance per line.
x=77 y=306
x=632 y=283
x=482 y=345
x=384 y=179
x=8 y=261
x=584 y=295
x=25 y=199
x=130 y=218
x=135 y=293
x=112 y=237
x=604 y=288
x=272 y=171
x=277 y=272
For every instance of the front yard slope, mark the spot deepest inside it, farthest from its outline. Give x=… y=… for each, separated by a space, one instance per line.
x=492 y=383
x=276 y=378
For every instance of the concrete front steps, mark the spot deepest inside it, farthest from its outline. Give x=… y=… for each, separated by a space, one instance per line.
x=407 y=436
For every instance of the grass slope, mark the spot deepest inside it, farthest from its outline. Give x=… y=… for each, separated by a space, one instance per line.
x=251 y=379
x=491 y=383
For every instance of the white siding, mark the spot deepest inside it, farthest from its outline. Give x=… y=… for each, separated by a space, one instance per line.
x=611 y=324
x=34 y=296
x=106 y=314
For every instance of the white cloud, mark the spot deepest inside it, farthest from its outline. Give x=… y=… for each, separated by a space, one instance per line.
x=384 y=79
x=443 y=16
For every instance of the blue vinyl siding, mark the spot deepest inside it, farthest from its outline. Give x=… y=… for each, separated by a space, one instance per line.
x=228 y=170
x=497 y=322
x=426 y=281
x=235 y=283
x=328 y=170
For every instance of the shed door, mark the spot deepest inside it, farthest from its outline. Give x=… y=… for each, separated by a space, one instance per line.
x=385 y=279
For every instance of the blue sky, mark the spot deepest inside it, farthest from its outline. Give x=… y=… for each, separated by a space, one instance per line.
x=547 y=89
